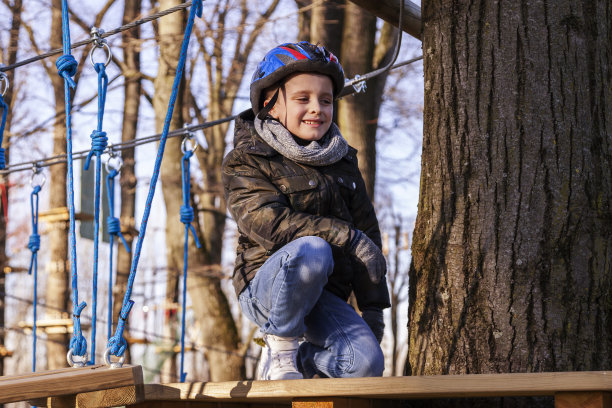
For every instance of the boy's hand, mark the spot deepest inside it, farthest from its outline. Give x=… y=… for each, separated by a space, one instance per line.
x=369 y=255
x=374 y=318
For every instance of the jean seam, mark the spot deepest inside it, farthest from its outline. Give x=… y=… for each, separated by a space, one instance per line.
x=283 y=269
x=346 y=339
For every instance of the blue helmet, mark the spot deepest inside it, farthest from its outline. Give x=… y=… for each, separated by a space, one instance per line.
x=290 y=58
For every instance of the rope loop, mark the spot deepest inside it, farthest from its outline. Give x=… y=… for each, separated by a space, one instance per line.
x=67 y=68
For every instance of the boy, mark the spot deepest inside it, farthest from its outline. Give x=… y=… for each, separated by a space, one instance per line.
x=308 y=232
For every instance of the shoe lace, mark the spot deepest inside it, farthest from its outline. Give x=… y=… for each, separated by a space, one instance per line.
x=284 y=360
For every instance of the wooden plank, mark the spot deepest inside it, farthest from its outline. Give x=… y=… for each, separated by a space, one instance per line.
x=132 y=394
x=449 y=386
x=68 y=381
x=583 y=400
x=200 y=404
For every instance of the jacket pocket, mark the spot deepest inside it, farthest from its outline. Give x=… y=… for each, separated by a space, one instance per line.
x=301 y=191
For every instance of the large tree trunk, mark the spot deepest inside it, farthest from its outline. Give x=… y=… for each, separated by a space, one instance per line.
x=131 y=92
x=9 y=99
x=511 y=251
x=58 y=273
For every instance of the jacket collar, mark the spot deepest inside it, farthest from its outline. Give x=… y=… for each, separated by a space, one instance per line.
x=246 y=138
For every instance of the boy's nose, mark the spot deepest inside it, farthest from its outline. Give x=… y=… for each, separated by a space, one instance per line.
x=315 y=106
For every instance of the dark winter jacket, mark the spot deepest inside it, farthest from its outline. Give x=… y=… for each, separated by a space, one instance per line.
x=275 y=200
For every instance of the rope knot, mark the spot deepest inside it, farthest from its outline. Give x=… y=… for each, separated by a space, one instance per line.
x=34 y=243
x=67 y=68
x=186 y=214
x=99 y=142
x=117 y=345
x=78 y=345
x=114 y=228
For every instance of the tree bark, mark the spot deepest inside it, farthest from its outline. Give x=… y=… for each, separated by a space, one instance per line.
x=8 y=97
x=304 y=18
x=511 y=252
x=326 y=25
x=131 y=93
x=358 y=113
x=57 y=295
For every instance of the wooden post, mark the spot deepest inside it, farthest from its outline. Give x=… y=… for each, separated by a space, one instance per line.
x=583 y=400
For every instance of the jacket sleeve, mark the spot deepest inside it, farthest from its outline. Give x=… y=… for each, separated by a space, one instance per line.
x=264 y=214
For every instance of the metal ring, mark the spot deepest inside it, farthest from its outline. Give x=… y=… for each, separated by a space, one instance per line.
x=42 y=181
x=108 y=52
x=73 y=363
x=113 y=364
x=109 y=163
x=4 y=83
x=193 y=143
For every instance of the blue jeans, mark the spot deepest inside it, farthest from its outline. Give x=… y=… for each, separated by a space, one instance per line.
x=286 y=298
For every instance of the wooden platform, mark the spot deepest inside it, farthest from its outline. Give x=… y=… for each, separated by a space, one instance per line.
x=570 y=389
x=67 y=381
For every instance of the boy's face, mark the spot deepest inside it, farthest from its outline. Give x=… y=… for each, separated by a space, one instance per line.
x=305 y=105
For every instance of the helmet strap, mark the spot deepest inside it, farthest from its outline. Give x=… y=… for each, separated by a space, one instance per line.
x=266 y=109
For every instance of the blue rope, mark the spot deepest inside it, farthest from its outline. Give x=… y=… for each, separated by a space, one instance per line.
x=187 y=219
x=99 y=141
x=34 y=246
x=114 y=229
x=4 y=107
x=66 y=68
x=117 y=343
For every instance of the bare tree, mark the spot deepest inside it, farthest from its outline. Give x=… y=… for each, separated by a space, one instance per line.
x=511 y=248
x=132 y=91
x=10 y=54
x=358 y=114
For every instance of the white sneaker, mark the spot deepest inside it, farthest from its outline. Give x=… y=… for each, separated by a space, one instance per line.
x=278 y=359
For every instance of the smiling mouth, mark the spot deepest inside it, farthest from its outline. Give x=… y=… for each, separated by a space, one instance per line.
x=313 y=122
